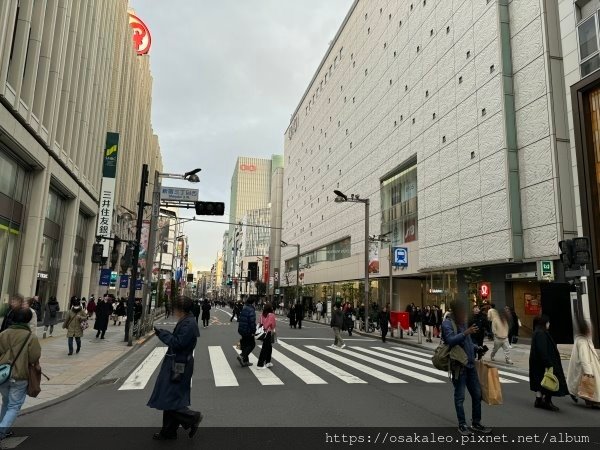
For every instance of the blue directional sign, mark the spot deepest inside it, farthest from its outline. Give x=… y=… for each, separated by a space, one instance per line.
x=124 y=281
x=138 y=285
x=105 y=277
x=400 y=256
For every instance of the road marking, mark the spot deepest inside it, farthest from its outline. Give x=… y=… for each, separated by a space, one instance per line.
x=322 y=339
x=333 y=370
x=297 y=369
x=141 y=375
x=221 y=369
x=356 y=365
x=410 y=373
x=264 y=376
x=428 y=361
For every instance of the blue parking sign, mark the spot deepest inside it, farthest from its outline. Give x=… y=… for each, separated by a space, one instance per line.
x=400 y=256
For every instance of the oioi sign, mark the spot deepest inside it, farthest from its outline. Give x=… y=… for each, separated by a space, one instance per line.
x=142 y=40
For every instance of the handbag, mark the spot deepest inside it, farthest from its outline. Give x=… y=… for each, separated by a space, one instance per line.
x=260 y=333
x=489 y=379
x=84 y=325
x=35 y=379
x=550 y=382
x=273 y=337
x=6 y=369
x=587 y=388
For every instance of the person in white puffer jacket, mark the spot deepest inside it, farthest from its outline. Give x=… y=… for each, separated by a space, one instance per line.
x=500 y=331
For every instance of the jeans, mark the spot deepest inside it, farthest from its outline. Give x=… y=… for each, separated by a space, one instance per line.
x=13 y=396
x=247 y=344
x=338 y=337
x=468 y=378
x=501 y=344
x=70 y=341
x=265 y=352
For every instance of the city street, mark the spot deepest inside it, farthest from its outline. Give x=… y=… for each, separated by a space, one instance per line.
x=367 y=384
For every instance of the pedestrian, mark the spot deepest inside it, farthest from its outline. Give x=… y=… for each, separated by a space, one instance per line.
x=542 y=357
x=584 y=364
x=438 y=322
x=479 y=319
x=319 y=310
x=196 y=309
x=172 y=390
x=51 y=311
x=246 y=329
x=267 y=320
x=348 y=320
x=36 y=305
x=34 y=317
x=299 y=313
x=514 y=324
x=418 y=320
x=19 y=347
x=500 y=331
x=15 y=303
x=292 y=316
x=456 y=333
x=235 y=312
x=384 y=320
x=205 y=312
x=410 y=309
x=91 y=307
x=167 y=309
x=121 y=311
x=72 y=324
x=84 y=303
x=337 y=321
x=103 y=313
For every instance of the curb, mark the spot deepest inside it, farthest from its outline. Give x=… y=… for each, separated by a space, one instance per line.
x=91 y=382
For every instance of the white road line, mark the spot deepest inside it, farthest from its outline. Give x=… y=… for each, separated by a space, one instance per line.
x=221 y=369
x=356 y=365
x=192 y=378
x=141 y=375
x=428 y=361
x=414 y=352
x=298 y=369
x=410 y=373
x=320 y=339
x=264 y=376
x=333 y=370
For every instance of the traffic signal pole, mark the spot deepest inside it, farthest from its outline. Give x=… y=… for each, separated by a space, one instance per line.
x=150 y=251
x=136 y=256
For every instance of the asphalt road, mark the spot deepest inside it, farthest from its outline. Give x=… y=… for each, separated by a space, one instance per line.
x=360 y=386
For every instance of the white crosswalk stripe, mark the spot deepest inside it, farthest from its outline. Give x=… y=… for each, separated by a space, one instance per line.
x=222 y=372
x=356 y=365
x=298 y=369
x=141 y=375
x=264 y=376
x=333 y=370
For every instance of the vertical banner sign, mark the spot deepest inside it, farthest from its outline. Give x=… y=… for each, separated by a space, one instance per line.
x=266 y=269
x=124 y=281
x=107 y=192
x=105 y=275
x=144 y=243
x=374 y=257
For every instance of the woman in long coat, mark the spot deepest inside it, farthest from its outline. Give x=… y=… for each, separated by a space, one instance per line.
x=171 y=392
x=205 y=312
x=584 y=363
x=103 y=312
x=50 y=315
x=543 y=355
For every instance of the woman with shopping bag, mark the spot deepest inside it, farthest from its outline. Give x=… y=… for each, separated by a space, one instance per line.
x=546 y=376
x=584 y=369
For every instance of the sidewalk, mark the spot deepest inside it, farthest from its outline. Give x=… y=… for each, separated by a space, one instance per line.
x=70 y=375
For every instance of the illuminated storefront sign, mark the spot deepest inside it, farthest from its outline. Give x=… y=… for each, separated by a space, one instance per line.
x=247 y=167
x=142 y=40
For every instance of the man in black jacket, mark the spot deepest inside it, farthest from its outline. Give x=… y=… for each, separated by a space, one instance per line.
x=246 y=329
x=299 y=314
x=480 y=320
x=337 y=321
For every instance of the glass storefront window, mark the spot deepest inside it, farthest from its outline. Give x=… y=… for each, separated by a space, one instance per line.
x=440 y=289
x=9 y=248
x=332 y=252
x=54 y=212
x=399 y=206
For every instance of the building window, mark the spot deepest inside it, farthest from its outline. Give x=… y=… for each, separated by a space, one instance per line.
x=399 y=205
x=587 y=36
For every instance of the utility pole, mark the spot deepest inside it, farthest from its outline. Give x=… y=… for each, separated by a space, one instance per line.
x=136 y=257
x=147 y=294
x=297 y=273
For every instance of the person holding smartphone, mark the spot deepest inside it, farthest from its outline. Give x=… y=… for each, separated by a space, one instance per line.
x=456 y=332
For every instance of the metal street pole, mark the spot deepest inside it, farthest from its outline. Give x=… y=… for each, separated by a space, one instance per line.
x=391 y=276
x=146 y=296
x=367 y=242
x=136 y=257
x=297 y=272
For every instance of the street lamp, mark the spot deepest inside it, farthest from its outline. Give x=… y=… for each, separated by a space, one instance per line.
x=285 y=244
x=354 y=198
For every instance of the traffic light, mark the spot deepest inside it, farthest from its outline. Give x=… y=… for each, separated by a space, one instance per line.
x=114 y=255
x=575 y=252
x=97 y=250
x=210 y=208
x=127 y=259
x=566 y=255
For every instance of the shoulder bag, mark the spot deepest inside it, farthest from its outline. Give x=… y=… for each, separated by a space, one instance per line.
x=6 y=368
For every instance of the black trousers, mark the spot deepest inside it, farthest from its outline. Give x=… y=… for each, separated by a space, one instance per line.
x=100 y=333
x=205 y=322
x=299 y=322
x=266 y=350
x=173 y=419
x=384 y=332
x=247 y=344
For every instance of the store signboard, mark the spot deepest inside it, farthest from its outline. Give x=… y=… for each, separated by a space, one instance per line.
x=107 y=191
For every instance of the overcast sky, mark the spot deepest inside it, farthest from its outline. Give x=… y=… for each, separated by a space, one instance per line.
x=227 y=77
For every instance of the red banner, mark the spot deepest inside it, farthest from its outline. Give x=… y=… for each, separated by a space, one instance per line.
x=533 y=304
x=266 y=269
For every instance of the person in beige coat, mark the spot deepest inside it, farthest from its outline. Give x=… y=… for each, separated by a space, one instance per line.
x=72 y=324
x=500 y=331
x=20 y=347
x=585 y=362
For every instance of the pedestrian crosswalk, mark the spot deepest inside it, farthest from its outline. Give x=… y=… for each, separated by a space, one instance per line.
x=312 y=365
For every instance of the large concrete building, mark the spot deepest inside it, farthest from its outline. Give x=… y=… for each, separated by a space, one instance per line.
x=68 y=75
x=449 y=116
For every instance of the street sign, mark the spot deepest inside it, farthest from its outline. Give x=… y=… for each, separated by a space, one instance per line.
x=105 y=277
x=545 y=271
x=276 y=291
x=124 y=281
x=400 y=256
x=178 y=194
x=138 y=285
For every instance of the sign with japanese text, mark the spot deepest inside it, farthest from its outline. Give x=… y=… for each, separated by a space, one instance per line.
x=144 y=243
x=107 y=191
x=266 y=269
x=178 y=194
x=374 y=257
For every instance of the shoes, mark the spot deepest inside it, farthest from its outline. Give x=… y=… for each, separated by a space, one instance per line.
x=538 y=402
x=509 y=346
x=509 y=362
x=77 y=351
x=545 y=404
x=44 y=336
x=239 y=358
x=478 y=428
x=69 y=354
x=50 y=335
x=163 y=437
x=343 y=346
x=269 y=365
x=464 y=431
x=574 y=398
x=333 y=346
x=248 y=364
x=260 y=367
x=194 y=427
